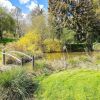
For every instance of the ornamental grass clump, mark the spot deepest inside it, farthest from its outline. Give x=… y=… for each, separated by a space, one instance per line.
x=16 y=84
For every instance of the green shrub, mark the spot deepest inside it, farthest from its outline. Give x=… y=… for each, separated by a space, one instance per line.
x=70 y=85
x=51 y=45
x=40 y=64
x=6 y=40
x=76 y=47
x=15 y=85
x=42 y=68
x=68 y=36
x=96 y=46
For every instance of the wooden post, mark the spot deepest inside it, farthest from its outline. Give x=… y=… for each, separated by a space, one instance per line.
x=3 y=57
x=22 y=62
x=33 y=61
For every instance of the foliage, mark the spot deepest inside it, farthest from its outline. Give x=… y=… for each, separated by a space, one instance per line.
x=68 y=36
x=96 y=4
x=6 y=40
x=29 y=43
x=42 y=68
x=76 y=47
x=40 y=64
x=51 y=45
x=79 y=16
x=96 y=46
x=54 y=29
x=69 y=85
x=39 y=22
x=15 y=84
x=7 y=23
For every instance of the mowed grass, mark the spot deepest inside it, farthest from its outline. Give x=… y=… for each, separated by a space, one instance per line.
x=70 y=85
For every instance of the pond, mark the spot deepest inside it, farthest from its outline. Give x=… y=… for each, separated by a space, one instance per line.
x=57 y=56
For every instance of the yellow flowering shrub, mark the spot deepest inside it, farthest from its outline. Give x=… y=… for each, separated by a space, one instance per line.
x=51 y=45
x=30 y=42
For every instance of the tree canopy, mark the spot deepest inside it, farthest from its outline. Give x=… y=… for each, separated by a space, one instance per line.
x=7 y=23
x=78 y=15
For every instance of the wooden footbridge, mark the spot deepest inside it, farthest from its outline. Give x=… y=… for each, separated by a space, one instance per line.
x=21 y=61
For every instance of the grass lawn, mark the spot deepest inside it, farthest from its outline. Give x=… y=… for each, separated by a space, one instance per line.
x=70 y=85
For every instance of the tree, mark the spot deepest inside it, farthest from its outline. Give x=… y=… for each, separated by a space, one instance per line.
x=96 y=4
x=38 y=21
x=58 y=8
x=17 y=15
x=78 y=15
x=7 y=23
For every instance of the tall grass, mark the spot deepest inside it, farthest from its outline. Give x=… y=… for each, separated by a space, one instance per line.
x=15 y=84
x=0 y=57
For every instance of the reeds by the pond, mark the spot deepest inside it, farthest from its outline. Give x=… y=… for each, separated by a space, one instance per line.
x=83 y=61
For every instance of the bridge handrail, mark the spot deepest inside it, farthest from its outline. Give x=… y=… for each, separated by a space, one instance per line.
x=20 y=53
x=19 y=60
x=12 y=56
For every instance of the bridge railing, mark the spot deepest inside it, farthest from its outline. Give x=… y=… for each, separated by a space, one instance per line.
x=21 y=61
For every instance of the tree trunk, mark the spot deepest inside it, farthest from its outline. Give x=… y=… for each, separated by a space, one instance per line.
x=89 y=42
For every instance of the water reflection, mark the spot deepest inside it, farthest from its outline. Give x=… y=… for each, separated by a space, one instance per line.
x=57 y=56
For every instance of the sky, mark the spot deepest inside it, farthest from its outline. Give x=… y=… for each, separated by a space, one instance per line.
x=25 y=5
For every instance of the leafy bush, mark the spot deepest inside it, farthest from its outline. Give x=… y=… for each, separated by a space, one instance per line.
x=96 y=46
x=42 y=68
x=6 y=40
x=70 y=85
x=51 y=45
x=30 y=43
x=68 y=36
x=40 y=64
x=74 y=47
x=15 y=85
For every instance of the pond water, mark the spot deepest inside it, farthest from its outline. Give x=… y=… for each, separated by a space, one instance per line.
x=57 y=56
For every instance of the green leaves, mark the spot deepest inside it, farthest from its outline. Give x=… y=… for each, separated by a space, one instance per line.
x=7 y=23
x=80 y=17
x=16 y=84
x=68 y=36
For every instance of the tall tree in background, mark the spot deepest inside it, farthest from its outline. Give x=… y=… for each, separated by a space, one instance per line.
x=55 y=16
x=78 y=15
x=7 y=23
x=38 y=21
x=17 y=15
x=96 y=4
